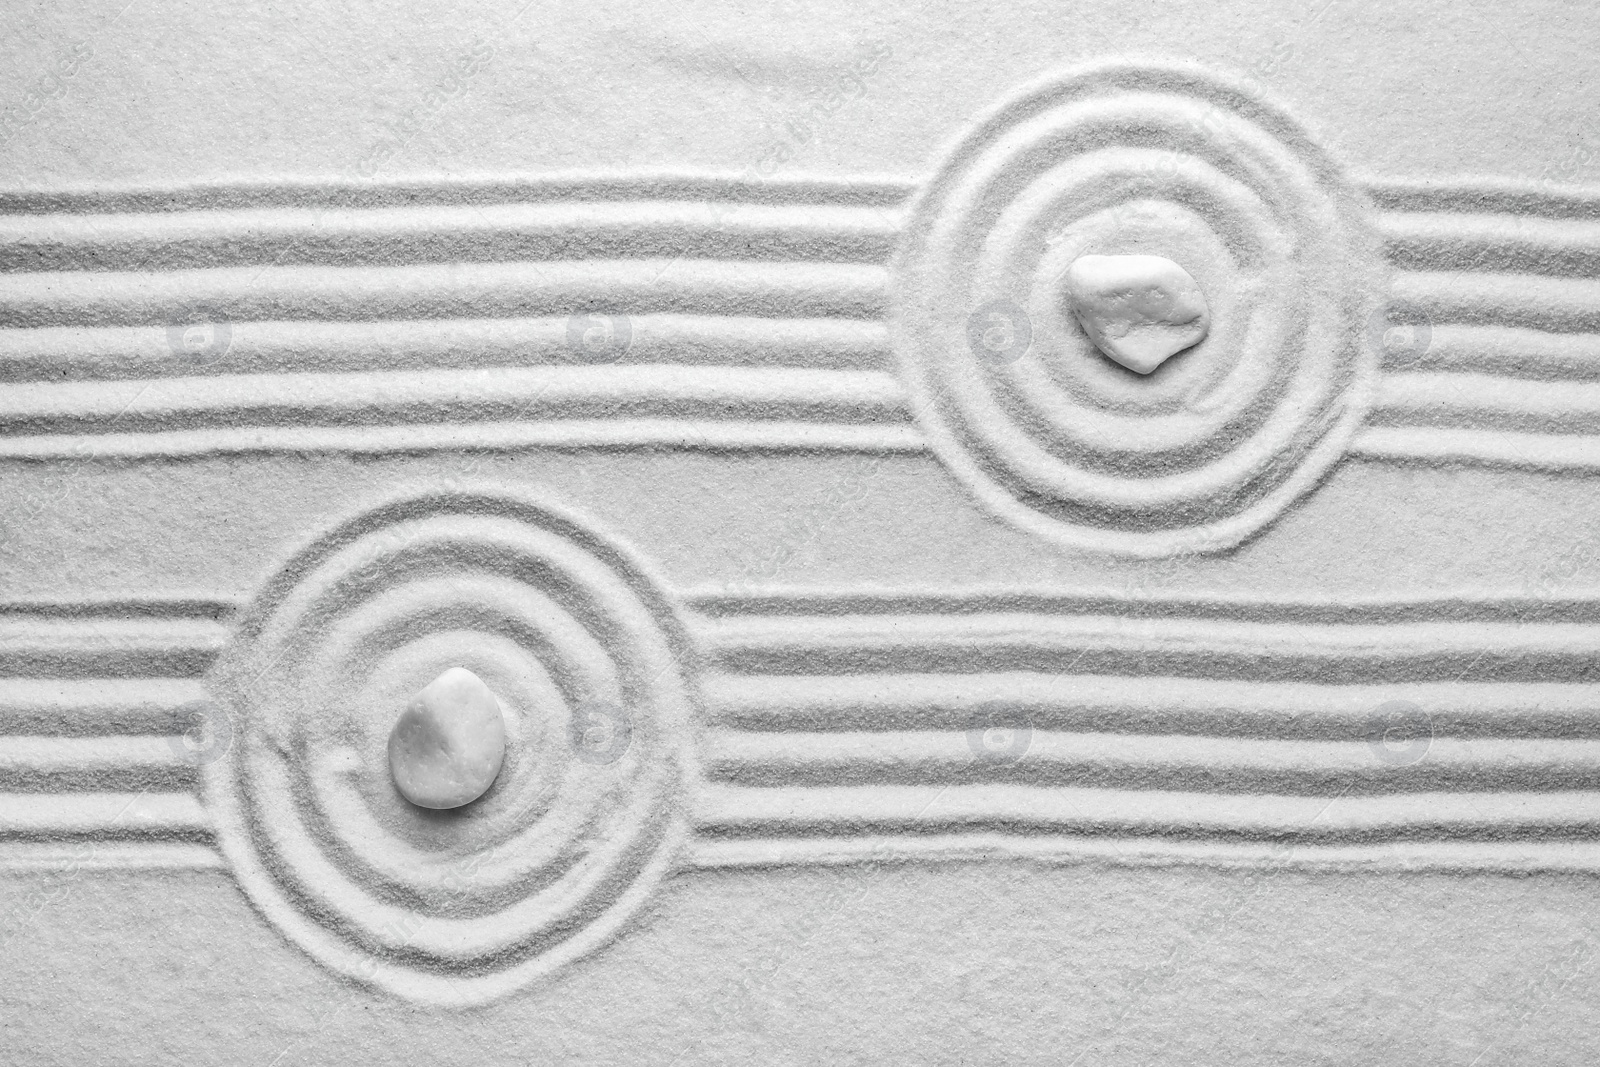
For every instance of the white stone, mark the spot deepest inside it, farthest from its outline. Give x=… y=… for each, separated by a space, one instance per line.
x=449 y=744
x=1138 y=310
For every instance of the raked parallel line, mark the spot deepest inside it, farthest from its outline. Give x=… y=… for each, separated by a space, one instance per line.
x=709 y=271
x=1530 y=856
x=729 y=811
x=587 y=435
x=1141 y=704
x=842 y=816
x=1264 y=651
x=808 y=767
x=345 y=236
x=93 y=700
x=75 y=354
x=690 y=394
x=724 y=189
x=1250 y=765
x=443 y=290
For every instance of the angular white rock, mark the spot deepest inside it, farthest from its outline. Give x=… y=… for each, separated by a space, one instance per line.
x=1139 y=310
x=449 y=744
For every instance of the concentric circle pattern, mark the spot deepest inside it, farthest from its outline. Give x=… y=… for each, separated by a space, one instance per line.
x=1166 y=161
x=586 y=813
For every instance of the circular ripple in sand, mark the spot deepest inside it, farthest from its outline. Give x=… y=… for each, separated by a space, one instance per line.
x=582 y=821
x=1125 y=159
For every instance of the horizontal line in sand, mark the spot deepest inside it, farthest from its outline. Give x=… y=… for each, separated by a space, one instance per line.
x=58 y=353
x=448 y=290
